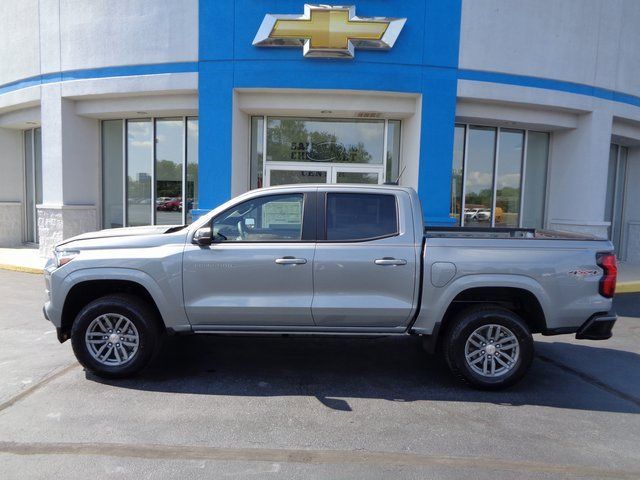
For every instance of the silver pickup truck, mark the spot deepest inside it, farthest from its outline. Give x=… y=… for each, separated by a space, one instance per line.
x=330 y=260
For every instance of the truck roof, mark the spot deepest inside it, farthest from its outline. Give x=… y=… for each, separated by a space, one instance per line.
x=334 y=186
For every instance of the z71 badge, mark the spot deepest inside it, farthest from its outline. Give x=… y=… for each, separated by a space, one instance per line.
x=583 y=273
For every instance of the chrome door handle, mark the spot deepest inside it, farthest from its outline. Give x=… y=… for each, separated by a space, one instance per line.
x=390 y=261
x=291 y=261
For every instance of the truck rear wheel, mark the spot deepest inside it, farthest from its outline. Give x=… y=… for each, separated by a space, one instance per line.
x=488 y=347
x=115 y=336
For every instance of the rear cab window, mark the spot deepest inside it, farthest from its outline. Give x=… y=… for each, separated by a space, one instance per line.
x=352 y=217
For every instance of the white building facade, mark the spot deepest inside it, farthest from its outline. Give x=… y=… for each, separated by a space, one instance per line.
x=501 y=113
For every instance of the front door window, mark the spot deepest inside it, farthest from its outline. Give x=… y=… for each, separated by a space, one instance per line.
x=290 y=150
x=276 y=218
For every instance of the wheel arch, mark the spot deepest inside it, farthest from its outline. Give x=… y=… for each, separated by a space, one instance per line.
x=522 y=295
x=84 y=286
x=519 y=300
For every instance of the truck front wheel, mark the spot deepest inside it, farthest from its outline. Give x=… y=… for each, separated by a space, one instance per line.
x=488 y=347
x=115 y=336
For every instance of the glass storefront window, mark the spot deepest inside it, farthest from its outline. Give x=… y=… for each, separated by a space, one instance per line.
x=37 y=157
x=320 y=140
x=192 y=168
x=615 y=199
x=289 y=177
x=485 y=174
x=257 y=149
x=479 y=176
x=160 y=189
x=30 y=203
x=456 y=176
x=321 y=150
x=393 y=150
x=33 y=181
x=112 y=174
x=535 y=179
x=139 y=171
x=168 y=175
x=357 y=177
x=508 y=174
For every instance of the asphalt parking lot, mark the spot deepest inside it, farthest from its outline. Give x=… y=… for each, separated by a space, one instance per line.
x=217 y=407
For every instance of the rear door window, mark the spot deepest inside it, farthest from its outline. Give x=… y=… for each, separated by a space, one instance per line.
x=360 y=216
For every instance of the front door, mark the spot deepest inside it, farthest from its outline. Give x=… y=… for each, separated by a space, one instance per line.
x=258 y=272
x=365 y=267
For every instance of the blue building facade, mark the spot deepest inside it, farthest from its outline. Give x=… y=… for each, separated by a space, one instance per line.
x=423 y=61
x=149 y=112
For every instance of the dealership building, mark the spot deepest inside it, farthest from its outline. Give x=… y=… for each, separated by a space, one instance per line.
x=500 y=113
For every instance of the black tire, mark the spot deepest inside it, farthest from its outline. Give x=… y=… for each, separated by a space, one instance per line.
x=138 y=312
x=465 y=324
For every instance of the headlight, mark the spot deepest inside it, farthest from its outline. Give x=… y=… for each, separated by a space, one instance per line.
x=62 y=257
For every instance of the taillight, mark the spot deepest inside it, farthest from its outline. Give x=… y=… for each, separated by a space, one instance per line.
x=607 y=261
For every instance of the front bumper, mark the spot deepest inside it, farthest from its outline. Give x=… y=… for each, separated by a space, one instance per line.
x=46 y=309
x=598 y=327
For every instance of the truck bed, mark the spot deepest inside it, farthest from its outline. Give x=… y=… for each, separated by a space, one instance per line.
x=503 y=232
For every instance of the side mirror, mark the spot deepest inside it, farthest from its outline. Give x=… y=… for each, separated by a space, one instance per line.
x=203 y=236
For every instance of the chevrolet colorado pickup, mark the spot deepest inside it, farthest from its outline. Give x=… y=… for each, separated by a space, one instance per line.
x=330 y=260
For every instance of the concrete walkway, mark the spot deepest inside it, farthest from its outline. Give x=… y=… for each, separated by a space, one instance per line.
x=22 y=259
x=628 y=278
x=27 y=259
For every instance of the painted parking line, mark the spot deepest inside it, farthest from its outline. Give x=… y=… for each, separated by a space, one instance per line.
x=200 y=453
x=37 y=386
x=591 y=380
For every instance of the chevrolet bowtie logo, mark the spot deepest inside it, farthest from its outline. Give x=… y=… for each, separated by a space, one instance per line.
x=325 y=31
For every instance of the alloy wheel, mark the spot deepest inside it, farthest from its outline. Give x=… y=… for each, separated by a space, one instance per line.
x=492 y=350
x=112 y=339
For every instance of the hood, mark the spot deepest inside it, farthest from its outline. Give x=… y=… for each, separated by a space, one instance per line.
x=122 y=232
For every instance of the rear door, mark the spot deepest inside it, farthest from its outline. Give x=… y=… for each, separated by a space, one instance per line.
x=366 y=262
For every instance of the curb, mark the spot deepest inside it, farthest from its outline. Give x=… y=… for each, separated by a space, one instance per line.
x=628 y=287
x=19 y=268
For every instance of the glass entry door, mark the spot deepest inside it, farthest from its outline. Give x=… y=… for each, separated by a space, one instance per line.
x=293 y=174
x=290 y=174
x=290 y=150
x=371 y=176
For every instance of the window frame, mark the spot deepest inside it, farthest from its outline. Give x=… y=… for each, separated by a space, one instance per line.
x=496 y=159
x=31 y=235
x=323 y=212
x=125 y=163
x=308 y=226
